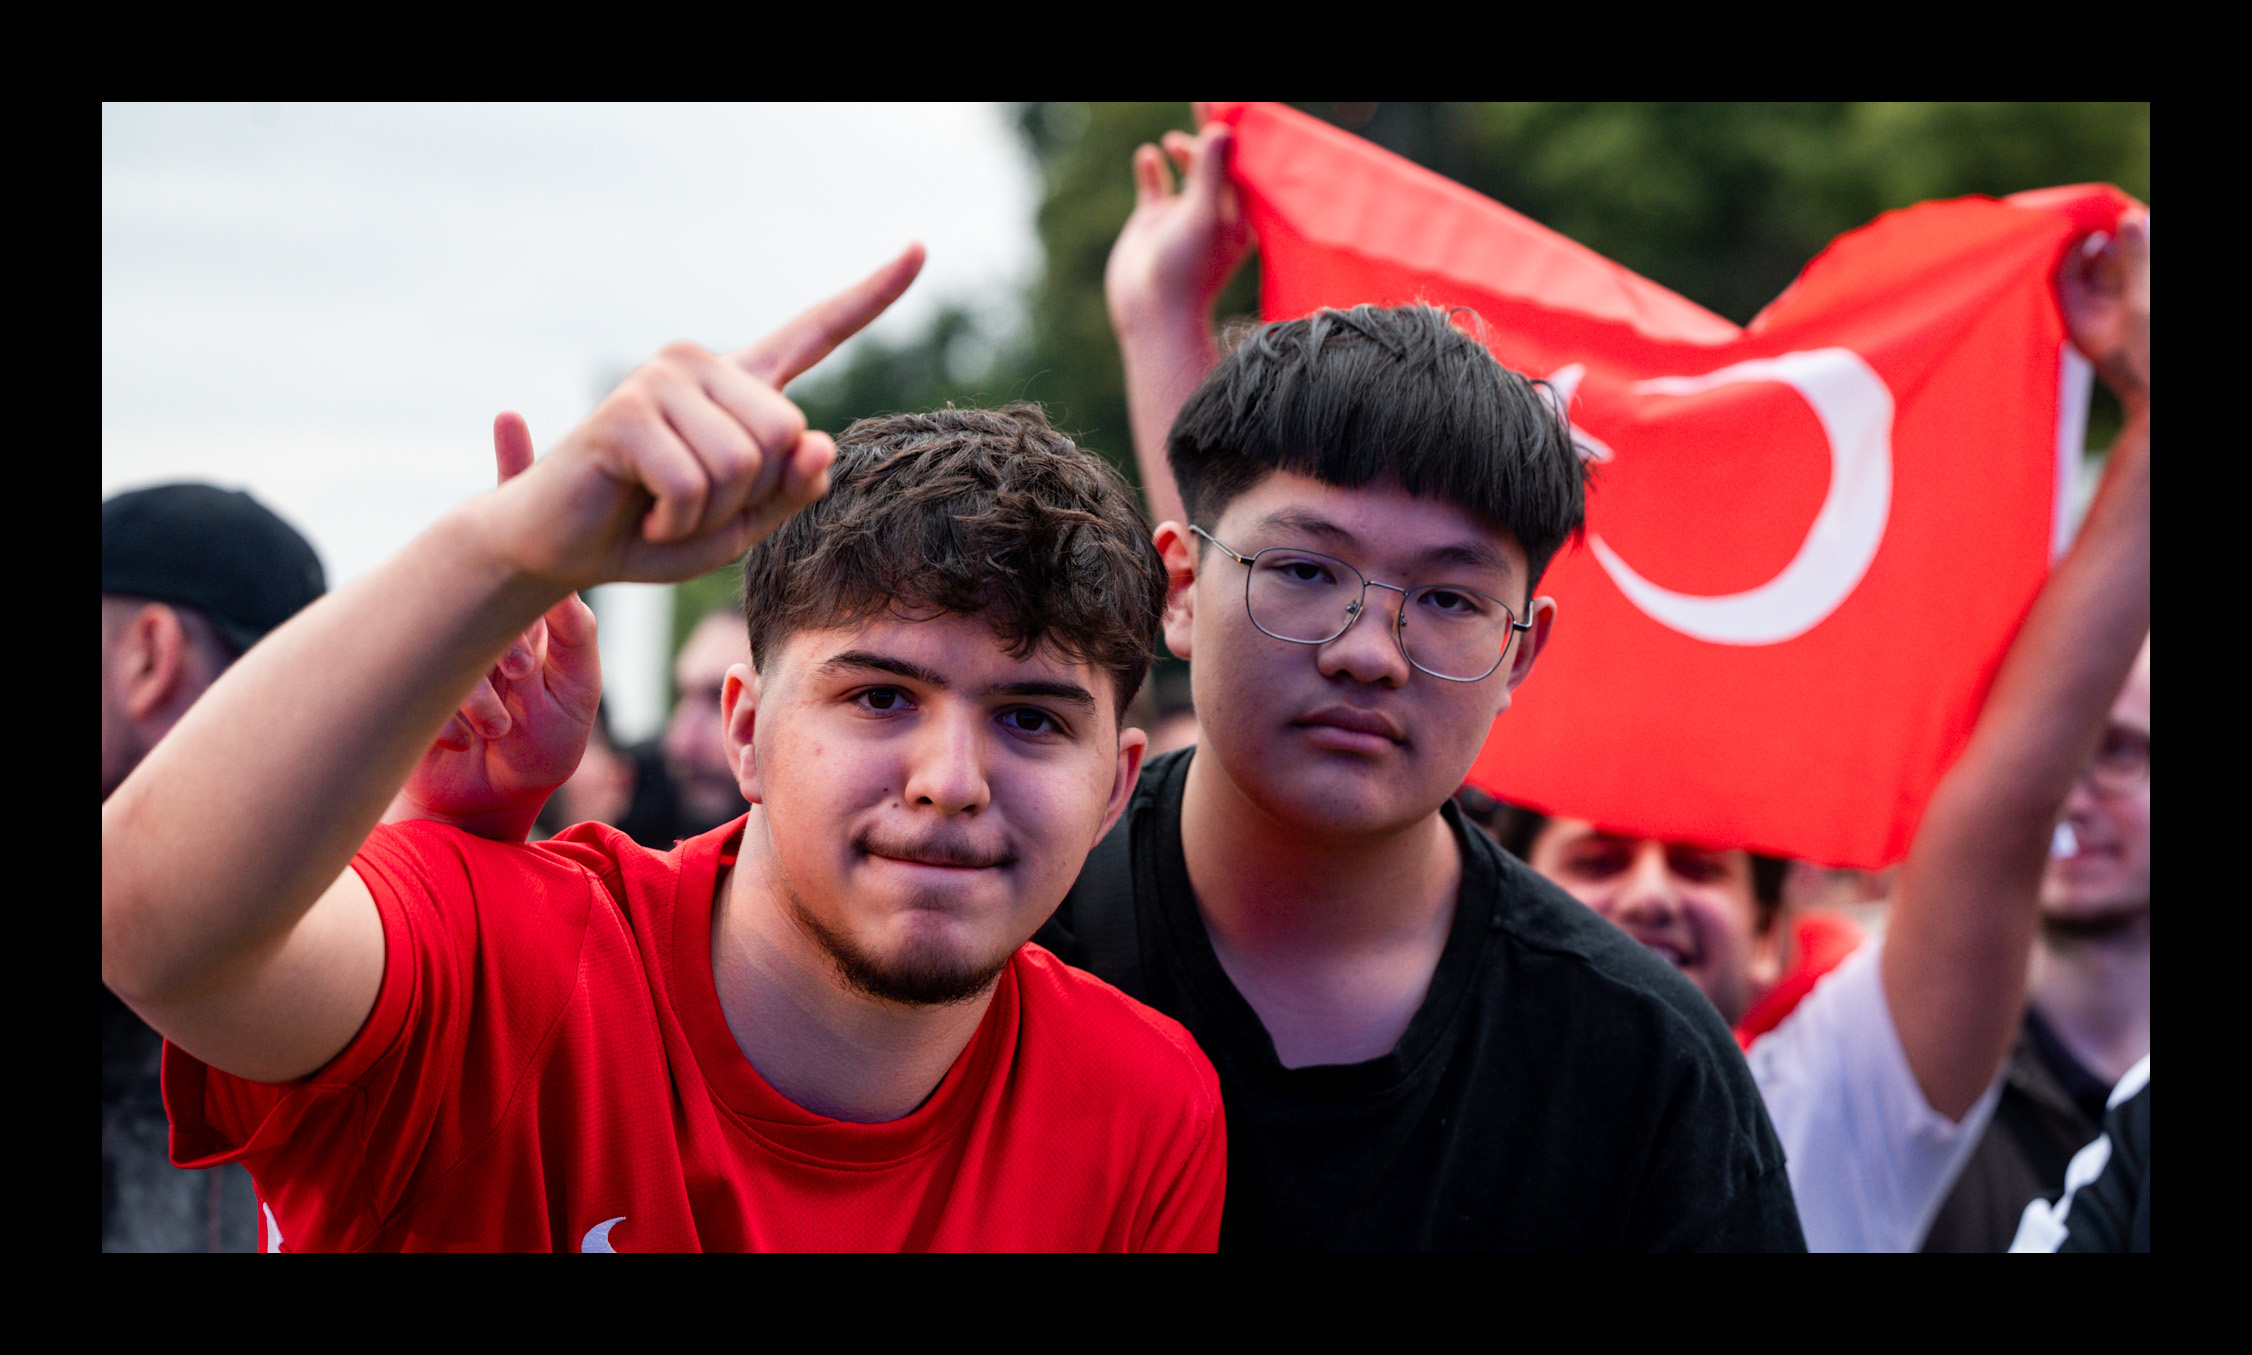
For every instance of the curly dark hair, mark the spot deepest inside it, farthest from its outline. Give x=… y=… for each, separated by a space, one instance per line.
x=1398 y=394
x=989 y=513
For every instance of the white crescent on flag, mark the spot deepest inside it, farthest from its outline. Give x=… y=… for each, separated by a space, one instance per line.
x=1855 y=410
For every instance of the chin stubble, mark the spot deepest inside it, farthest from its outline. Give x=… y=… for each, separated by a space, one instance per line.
x=910 y=980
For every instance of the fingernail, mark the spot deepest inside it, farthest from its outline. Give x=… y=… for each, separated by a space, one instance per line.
x=517 y=662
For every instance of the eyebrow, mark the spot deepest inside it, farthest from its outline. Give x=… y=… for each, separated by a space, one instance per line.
x=1468 y=553
x=864 y=660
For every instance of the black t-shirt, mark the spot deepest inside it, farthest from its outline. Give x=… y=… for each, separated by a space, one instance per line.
x=1561 y=1089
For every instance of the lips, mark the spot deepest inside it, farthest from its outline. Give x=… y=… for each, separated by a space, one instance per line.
x=936 y=851
x=1664 y=948
x=1354 y=720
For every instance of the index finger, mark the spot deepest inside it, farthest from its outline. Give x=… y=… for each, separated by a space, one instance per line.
x=782 y=356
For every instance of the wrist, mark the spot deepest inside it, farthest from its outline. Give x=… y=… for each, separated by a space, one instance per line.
x=1158 y=313
x=486 y=555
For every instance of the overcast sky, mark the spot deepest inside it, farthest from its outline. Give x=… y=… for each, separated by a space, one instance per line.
x=327 y=305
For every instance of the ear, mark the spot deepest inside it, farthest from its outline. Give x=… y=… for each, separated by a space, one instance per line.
x=1179 y=551
x=1530 y=643
x=1132 y=744
x=738 y=714
x=150 y=662
x=1773 y=951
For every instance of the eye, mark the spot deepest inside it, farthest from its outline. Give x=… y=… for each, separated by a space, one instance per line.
x=882 y=699
x=1455 y=603
x=1300 y=569
x=1596 y=865
x=1698 y=868
x=1031 y=720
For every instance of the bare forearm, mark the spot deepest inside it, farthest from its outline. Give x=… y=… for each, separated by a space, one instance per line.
x=1967 y=906
x=254 y=804
x=1165 y=355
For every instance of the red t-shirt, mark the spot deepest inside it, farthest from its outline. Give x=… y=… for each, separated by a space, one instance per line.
x=547 y=1068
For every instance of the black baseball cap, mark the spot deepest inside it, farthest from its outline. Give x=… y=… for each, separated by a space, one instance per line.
x=216 y=550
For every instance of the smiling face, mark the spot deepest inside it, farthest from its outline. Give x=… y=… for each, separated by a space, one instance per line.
x=925 y=798
x=1692 y=906
x=1346 y=738
x=2106 y=879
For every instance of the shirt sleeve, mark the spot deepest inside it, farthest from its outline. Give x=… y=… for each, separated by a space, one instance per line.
x=332 y=1153
x=1870 y=1160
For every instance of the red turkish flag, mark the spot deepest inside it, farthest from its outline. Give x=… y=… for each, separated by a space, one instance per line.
x=1810 y=539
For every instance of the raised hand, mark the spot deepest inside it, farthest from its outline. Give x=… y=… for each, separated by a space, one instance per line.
x=721 y=457
x=1180 y=247
x=690 y=461
x=2104 y=286
x=524 y=727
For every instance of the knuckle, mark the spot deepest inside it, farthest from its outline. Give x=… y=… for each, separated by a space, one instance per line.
x=683 y=354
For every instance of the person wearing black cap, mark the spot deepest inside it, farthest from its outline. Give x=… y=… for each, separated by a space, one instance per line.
x=192 y=576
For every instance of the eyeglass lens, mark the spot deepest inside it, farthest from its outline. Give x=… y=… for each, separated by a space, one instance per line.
x=1449 y=632
x=2122 y=760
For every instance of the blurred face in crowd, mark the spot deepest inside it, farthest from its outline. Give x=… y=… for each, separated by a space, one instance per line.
x=695 y=744
x=2107 y=877
x=1346 y=738
x=1692 y=906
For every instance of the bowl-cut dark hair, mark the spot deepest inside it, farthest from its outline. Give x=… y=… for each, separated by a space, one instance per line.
x=1383 y=394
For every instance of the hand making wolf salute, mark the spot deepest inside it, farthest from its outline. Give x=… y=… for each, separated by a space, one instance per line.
x=814 y=1028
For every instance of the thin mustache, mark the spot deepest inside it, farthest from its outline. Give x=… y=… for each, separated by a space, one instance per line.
x=940 y=850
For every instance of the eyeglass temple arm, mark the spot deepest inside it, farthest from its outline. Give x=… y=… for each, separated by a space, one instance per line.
x=1224 y=550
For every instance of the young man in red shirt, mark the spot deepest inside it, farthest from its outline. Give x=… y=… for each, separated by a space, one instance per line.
x=815 y=1028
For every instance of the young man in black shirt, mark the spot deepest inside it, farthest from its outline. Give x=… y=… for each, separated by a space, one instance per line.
x=1423 y=1045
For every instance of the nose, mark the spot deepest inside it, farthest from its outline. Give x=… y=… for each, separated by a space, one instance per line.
x=1370 y=653
x=1647 y=892
x=2080 y=802
x=946 y=769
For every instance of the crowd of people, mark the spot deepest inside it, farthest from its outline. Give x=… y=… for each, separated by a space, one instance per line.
x=427 y=970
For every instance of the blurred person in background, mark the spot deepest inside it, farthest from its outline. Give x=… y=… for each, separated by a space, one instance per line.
x=2087 y=1021
x=1165 y=709
x=683 y=784
x=192 y=576
x=600 y=789
x=1881 y=1080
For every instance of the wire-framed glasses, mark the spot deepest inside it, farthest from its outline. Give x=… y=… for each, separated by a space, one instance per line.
x=2121 y=762
x=1455 y=634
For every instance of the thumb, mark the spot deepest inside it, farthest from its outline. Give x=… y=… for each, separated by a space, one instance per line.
x=512 y=445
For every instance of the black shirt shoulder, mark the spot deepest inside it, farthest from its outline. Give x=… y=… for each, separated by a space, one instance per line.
x=1561 y=1088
